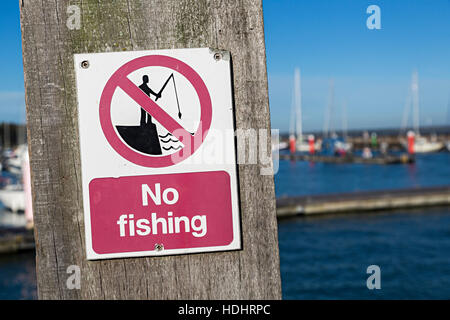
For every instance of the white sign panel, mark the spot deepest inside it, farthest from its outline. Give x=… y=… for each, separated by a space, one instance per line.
x=158 y=152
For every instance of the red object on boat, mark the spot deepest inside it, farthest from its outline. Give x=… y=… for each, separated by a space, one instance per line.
x=411 y=137
x=311 y=144
x=292 y=147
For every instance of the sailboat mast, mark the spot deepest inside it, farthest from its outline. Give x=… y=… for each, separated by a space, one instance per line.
x=448 y=110
x=415 y=98
x=344 y=120
x=328 y=110
x=298 y=105
x=406 y=114
x=292 y=118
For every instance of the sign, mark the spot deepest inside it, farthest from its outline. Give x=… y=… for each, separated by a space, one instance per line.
x=158 y=152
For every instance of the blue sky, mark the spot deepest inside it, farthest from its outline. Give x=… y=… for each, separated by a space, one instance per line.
x=325 y=39
x=371 y=68
x=12 y=101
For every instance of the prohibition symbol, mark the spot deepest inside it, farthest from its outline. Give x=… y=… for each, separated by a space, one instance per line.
x=116 y=136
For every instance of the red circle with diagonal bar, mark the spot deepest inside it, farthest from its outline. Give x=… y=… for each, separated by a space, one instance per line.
x=120 y=80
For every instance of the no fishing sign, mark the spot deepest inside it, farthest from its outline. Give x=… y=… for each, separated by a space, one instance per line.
x=158 y=153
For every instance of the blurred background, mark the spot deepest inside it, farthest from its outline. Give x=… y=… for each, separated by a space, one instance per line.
x=361 y=97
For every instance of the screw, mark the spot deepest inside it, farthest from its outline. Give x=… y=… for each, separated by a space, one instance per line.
x=217 y=56
x=159 y=247
x=85 y=64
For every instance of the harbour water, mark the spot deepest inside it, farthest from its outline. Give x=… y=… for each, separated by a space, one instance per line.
x=18 y=276
x=327 y=257
x=305 y=178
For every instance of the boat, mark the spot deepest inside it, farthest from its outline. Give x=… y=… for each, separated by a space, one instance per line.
x=13 y=159
x=336 y=146
x=333 y=144
x=421 y=144
x=12 y=194
x=342 y=146
x=302 y=144
x=279 y=146
x=13 y=197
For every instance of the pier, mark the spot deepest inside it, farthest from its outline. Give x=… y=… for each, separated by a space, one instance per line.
x=362 y=201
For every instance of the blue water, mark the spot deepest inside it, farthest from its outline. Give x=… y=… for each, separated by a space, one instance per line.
x=18 y=276
x=304 y=178
x=327 y=258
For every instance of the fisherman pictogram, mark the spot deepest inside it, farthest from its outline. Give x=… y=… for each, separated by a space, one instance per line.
x=145 y=117
x=145 y=137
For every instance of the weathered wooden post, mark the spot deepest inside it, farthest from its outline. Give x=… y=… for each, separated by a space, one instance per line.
x=52 y=32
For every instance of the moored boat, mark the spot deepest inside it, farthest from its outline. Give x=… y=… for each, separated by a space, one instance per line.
x=13 y=198
x=422 y=145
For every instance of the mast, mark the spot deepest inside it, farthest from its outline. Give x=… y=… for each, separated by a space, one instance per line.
x=298 y=105
x=415 y=100
x=344 y=120
x=21 y=128
x=405 y=114
x=328 y=110
x=448 y=110
x=292 y=118
x=6 y=135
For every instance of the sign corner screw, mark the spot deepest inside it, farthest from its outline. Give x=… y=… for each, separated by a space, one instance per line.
x=217 y=56
x=159 y=247
x=85 y=64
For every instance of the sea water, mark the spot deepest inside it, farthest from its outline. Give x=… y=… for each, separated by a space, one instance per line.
x=304 y=178
x=327 y=257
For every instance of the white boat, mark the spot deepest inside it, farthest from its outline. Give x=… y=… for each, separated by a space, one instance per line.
x=14 y=159
x=13 y=198
x=14 y=169
x=303 y=146
x=13 y=195
x=421 y=144
x=11 y=219
x=280 y=146
x=344 y=146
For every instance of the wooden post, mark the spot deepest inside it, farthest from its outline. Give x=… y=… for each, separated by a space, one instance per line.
x=50 y=37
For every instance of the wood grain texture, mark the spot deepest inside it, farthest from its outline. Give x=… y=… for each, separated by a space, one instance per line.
x=116 y=25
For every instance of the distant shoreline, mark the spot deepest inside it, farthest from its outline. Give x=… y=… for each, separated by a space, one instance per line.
x=425 y=130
